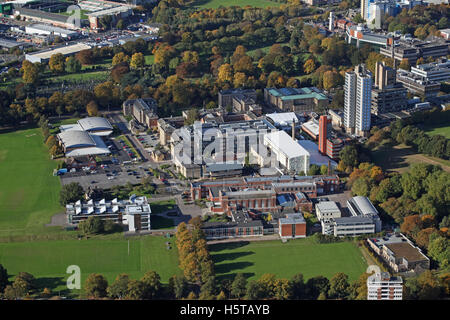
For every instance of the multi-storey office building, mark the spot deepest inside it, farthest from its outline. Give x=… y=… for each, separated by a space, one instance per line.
x=435 y=71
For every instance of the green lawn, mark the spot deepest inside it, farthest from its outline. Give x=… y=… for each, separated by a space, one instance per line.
x=214 y=4
x=443 y=130
x=29 y=193
x=84 y=76
x=399 y=157
x=161 y=206
x=48 y=260
x=287 y=259
x=149 y=59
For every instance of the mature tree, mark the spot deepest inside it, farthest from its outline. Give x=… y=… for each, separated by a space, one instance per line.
x=3 y=278
x=95 y=286
x=71 y=192
x=339 y=286
x=315 y=286
x=439 y=250
x=137 y=61
x=152 y=280
x=298 y=287
x=92 y=108
x=73 y=65
x=119 y=288
x=309 y=66
x=119 y=58
x=85 y=56
x=349 y=156
x=239 y=286
x=30 y=72
x=313 y=170
x=225 y=73
x=361 y=187
x=92 y=225
x=411 y=225
x=136 y=290
x=57 y=63
x=178 y=286
x=254 y=291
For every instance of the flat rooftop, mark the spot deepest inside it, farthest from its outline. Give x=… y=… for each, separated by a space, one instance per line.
x=407 y=251
x=66 y=50
x=285 y=144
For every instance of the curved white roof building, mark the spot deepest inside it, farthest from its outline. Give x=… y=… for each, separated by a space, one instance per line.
x=95 y=125
x=77 y=143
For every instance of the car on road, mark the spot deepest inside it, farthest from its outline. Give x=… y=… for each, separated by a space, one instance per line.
x=111 y=178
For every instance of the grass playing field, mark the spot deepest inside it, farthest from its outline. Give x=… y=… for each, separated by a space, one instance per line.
x=442 y=130
x=399 y=157
x=48 y=260
x=29 y=193
x=287 y=259
x=214 y=4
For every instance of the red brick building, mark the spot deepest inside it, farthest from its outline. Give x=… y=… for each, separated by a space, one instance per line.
x=292 y=226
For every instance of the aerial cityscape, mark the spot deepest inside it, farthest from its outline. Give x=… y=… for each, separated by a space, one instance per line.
x=232 y=150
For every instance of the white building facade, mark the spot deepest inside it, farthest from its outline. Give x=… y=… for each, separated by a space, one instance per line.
x=357 y=101
x=381 y=286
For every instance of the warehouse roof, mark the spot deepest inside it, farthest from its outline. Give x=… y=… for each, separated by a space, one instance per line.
x=65 y=50
x=283 y=142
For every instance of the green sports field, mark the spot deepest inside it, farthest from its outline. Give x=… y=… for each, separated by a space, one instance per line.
x=214 y=4
x=443 y=130
x=48 y=260
x=287 y=259
x=29 y=193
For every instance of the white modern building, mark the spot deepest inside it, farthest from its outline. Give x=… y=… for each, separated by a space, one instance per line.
x=381 y=286
x=357 y=101
x=85 y=137
x=435 y=71
x=134 y=212
x=98 y=126
x=326 y=210
x=287 y=151
x=352 y=226
x=362 y=207
x=47 y=30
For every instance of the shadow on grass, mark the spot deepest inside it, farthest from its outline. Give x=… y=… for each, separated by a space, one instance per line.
x=50 y=282
x=231 y=276
x=390 y=158
x=232 y=266
x=219 y=257
x=227 y=246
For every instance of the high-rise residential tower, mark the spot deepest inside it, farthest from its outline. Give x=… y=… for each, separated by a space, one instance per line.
x=357 y=101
